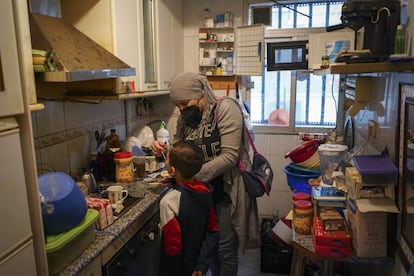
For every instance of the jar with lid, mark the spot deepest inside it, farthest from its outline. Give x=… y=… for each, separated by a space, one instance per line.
x=302 y=216
x=124 y=168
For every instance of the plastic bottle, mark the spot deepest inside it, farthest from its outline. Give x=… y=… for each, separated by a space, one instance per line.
x=325 y=62
x=206 y=19
x=229 y=66
x=113 y=142
x=94 y=166
x=224 y=66
x=163 y=135
x=399 y=40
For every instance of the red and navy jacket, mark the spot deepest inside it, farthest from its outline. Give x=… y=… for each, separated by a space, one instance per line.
x=189 y=227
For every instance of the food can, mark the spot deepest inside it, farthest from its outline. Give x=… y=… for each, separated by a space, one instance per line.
x=124 y=168
x=302 y=216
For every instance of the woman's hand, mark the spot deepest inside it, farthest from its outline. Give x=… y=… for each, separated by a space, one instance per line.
x=157 y=148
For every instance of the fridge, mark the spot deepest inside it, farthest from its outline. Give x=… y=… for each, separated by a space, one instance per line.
x=22 y=250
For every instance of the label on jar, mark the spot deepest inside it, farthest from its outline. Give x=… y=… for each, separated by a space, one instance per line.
x=124 y=170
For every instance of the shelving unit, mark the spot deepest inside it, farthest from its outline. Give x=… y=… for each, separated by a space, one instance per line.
x=215 y=46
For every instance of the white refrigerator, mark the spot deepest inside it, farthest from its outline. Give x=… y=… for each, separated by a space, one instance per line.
x=21 y=232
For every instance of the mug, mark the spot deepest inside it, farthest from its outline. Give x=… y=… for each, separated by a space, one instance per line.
x=116 y=194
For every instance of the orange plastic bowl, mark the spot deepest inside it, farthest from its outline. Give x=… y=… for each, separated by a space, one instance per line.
x=303 y=152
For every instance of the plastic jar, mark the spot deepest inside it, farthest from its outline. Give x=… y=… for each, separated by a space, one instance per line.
x=124 y=168
x=302 y=216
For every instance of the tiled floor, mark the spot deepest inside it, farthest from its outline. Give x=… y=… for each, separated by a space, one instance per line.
x=249 y=264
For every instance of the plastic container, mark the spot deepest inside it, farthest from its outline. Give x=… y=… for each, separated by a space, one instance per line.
x=299 y=178
x=330 y=155
x=303 y=152
x=63 y=203
x=376 y=169
x=302 y=216
x=64 y=248
x=124 y=168
x=312 y=162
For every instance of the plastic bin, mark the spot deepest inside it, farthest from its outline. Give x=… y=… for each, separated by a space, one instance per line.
x=275 y=256
x=297 y=179
x=64 y=248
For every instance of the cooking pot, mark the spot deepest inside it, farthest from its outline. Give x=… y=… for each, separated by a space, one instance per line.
x=63 y=204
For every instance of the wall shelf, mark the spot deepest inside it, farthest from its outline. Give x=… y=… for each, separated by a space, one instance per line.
x=116 y=97
x=373 y=67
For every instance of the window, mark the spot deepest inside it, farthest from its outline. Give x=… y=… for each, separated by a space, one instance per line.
x=278 y=93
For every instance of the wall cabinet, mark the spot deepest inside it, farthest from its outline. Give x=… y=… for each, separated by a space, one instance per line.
x=169 y=34
x=147 y=36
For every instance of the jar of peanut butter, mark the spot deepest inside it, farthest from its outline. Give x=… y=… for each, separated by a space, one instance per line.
x=302 y=216
x=124 y=168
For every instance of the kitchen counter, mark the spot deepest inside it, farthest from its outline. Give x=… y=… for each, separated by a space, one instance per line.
x=110 y=240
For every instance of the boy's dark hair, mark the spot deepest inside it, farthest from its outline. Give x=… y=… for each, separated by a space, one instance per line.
x=186 y=157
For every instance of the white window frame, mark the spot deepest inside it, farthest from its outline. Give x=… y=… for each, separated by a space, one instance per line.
x=275 y=35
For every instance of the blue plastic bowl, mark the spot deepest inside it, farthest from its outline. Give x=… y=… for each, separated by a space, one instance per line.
x=297 y=179
x=63 y=204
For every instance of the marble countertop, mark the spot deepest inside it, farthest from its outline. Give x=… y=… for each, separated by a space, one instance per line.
x=134 y=218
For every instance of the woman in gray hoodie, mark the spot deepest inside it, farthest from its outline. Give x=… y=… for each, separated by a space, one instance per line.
x=217 y=127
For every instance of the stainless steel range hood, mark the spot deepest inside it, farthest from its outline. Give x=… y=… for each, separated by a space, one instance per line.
x=76 y=56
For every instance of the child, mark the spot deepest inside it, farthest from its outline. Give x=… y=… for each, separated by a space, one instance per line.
x=188 y=221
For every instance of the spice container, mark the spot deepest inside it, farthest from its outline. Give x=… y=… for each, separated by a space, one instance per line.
x=124 y=169
x=302 y=216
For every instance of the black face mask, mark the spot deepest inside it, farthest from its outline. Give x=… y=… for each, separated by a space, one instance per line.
x=191 y=115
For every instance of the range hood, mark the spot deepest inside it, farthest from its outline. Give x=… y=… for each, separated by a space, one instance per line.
x=75 y=56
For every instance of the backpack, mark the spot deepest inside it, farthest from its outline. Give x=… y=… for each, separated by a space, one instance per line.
x=258 y=180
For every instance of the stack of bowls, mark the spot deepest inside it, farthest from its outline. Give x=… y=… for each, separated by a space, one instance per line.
x=306 y=155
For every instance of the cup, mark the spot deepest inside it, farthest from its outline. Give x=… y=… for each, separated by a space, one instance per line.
x=139 y=163
x=150 y=164
x=116 y=194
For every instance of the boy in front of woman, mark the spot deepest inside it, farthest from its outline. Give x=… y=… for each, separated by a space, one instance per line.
x=188 y=220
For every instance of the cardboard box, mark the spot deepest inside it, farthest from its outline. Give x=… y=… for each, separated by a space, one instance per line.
x=367 y=220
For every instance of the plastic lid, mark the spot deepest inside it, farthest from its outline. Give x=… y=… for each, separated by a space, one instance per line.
x=333 y=148
x=300 y=196
x=303 y=204
x=122 y=154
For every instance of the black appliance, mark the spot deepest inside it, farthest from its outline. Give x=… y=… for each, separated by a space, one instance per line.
x=140 y=256
x=379 y=18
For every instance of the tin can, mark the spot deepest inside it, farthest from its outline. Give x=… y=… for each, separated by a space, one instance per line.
x=302 y=216
x=124 y=168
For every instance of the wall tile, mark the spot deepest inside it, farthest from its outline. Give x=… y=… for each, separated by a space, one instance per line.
x=56 y=158
x=105 y=111
x=51 y=119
